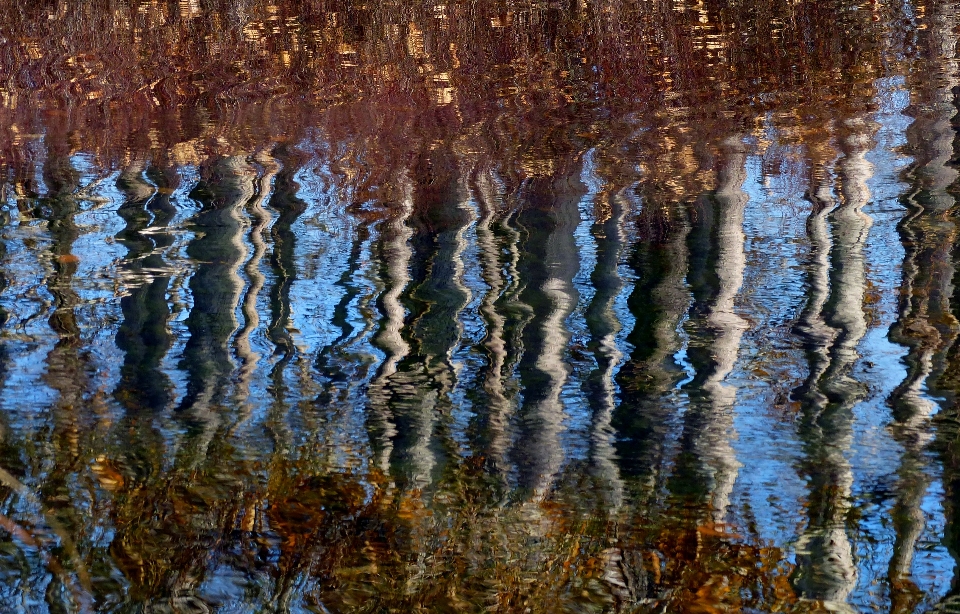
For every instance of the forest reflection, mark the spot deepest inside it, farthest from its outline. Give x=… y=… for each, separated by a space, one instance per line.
x=600 y=305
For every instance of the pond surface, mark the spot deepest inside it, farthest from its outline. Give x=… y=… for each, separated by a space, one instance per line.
x=484 y=306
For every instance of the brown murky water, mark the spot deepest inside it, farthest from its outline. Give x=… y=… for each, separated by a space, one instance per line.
x=488 y=306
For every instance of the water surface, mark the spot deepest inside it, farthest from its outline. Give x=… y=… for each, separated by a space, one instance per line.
x=487 y=306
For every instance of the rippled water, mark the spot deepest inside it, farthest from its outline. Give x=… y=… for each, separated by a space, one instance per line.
x=490 y=306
